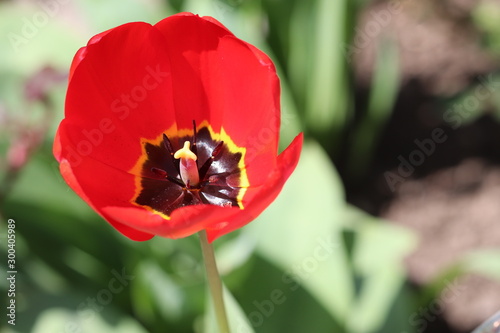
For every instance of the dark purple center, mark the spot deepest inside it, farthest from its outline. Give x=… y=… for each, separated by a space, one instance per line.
x=162 y=187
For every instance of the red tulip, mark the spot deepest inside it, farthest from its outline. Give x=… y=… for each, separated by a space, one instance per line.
x=173 y=128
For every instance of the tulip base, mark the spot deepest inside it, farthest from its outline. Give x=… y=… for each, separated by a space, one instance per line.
x=214 y=282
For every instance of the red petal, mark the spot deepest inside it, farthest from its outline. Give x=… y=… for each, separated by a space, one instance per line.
x=191 y=54
x=246 y=96
x=72 y=180
x=82 y=52
x=183 y=222
x=120 y=91
x=103 y=184
x=132 y=233
x=229 y=81
x=57 y=148
x=258 y=199
x=245 y=93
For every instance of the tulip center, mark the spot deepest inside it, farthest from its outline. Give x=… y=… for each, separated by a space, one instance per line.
x=190 y=167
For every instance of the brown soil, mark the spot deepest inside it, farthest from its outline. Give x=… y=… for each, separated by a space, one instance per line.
x=436 y=41
x=452 y=200
x=453 y=211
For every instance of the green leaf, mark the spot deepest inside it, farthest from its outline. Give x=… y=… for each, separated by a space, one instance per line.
x=97 y=13
x=380 y=244
x=290 y=122
x=274 y=303
x=154 y=288
x=238 y=321
x=301 y=232
x=327 y=97
x=486 y=16
x=485 y=262
x=43 y=170
x=378 y=253
x=62 y=320
x=35 y=36
x=383 y=94
x=234 y=253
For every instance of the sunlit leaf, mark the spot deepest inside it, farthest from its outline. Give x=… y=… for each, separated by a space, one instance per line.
x=236 y=317
x=484 y=261
x=155 y=289
x=378 y=254
x=34 y=36
x=61 y=320
x=383 y=92
x=97 y=13
x=301 y=232
x=43 y=170
x=327 y=97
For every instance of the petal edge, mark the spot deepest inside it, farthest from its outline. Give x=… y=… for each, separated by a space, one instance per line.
x=265 y=195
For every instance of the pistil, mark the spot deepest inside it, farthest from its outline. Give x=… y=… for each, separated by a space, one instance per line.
x=188 y=167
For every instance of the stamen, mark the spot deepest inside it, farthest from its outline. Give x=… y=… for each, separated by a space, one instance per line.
x=216 y=180
x=163 y=174
x=217 y=150
x=215 y=153
x=179 y=199
x=194 y=147
x=167 y=144
x=170 y=150
x=212 y=179
x=175 y=181
x=159 y=172
x=188 y=167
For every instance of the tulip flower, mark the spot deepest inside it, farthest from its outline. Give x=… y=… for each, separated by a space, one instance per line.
x=172 y=129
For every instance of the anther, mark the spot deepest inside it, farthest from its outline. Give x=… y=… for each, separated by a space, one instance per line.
x=215 y=154
x=167 y=144
x=194 y=147
x=159 y=172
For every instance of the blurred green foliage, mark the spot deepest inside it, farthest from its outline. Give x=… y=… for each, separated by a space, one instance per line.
x=486 y=16
x=310 y=263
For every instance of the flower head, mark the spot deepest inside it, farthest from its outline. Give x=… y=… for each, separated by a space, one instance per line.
x=173 y=128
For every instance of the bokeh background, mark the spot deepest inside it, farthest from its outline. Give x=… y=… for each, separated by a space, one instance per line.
x=391 y=222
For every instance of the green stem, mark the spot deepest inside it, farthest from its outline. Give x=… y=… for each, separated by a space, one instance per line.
x=214 y=282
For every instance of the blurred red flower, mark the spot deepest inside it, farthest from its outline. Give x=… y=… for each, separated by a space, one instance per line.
x=173 y=128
